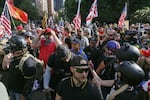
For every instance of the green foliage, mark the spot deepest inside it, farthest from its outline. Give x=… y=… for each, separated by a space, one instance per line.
x=25 y=5
x=141 y=15
x=1 y=5
x=31 y=10
x=70 y=9
x=109 y=11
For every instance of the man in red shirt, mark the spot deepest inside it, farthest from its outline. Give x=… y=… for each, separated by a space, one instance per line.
x=46 y=45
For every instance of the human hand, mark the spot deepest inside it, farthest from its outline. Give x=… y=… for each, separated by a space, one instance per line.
x=6 y=61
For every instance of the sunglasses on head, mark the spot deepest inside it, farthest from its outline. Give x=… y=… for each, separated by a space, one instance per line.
x=81 y=70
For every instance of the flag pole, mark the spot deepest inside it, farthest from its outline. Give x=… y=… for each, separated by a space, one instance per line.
x=79 y=3
x=11 y=17
x=126 y=4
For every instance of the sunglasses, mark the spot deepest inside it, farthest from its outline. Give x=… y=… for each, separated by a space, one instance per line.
x=81 y=70
x=110 y=35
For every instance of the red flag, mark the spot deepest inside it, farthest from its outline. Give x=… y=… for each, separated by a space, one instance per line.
x=17 y=13
x=5 y=21
x=122 y=17
x=92 y=14
x=10 y=1
x=77 y=18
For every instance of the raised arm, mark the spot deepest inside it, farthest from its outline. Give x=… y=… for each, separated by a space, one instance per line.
x=57 y=40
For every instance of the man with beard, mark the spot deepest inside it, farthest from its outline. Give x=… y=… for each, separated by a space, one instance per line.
x=77 y=87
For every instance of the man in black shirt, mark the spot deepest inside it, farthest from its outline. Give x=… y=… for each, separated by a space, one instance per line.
x=77 y=87
x=19 y=78
x=58 y=67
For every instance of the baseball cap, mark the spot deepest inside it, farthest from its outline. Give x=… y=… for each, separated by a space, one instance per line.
x=20 y=27
x=75 y=40
x=92 y=39
x=78 y=61
x=47 y=31
x=62 y=51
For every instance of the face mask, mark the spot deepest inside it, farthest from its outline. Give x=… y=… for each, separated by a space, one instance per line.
x=47 y=40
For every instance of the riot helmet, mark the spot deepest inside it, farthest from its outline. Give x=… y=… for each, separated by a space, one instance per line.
x=17 y=43
x=131 y=73
x=128 y=53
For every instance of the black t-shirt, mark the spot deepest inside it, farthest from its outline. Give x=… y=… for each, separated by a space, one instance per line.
x=16 y=80
x=93 y=53
x=59 y=67
x=69 y=92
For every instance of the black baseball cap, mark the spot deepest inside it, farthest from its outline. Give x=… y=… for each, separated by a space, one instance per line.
x=62 y=51
x=77 y=61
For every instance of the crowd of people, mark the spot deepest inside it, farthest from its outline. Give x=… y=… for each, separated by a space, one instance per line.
x=100 y=62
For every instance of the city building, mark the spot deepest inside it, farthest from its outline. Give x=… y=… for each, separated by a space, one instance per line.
x=58 y=4
x=49 y=5
x=42 y=6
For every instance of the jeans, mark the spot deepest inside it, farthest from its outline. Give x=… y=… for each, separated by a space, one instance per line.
x=14 y=95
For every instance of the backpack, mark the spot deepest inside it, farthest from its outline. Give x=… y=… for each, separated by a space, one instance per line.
x=34 y=82
x=39 y=66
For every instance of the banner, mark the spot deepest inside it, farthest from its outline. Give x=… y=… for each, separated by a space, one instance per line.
x=5 y=22
x=44 y=21
x=92 y=14
x=122 y=17
x=77 y=18
x=10 y=1
x=17 y=13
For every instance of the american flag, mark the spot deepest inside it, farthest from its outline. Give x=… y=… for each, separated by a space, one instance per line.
x=77 y=21
x=5 y=20
x=77 y=18
x=92 y=14
x=122 y=17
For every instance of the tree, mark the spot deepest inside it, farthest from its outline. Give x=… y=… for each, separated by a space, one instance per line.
x=141 y=15
x=29 y=7
x=108 y=10
x=2 y=5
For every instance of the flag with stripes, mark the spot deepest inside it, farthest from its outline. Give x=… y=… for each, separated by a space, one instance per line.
x=77 y=21
x=77 y=18
x=122 y=17
x=5 y=20
x=92 y=14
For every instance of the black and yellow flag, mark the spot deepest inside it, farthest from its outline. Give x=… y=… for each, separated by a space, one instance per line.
x=44 y=21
